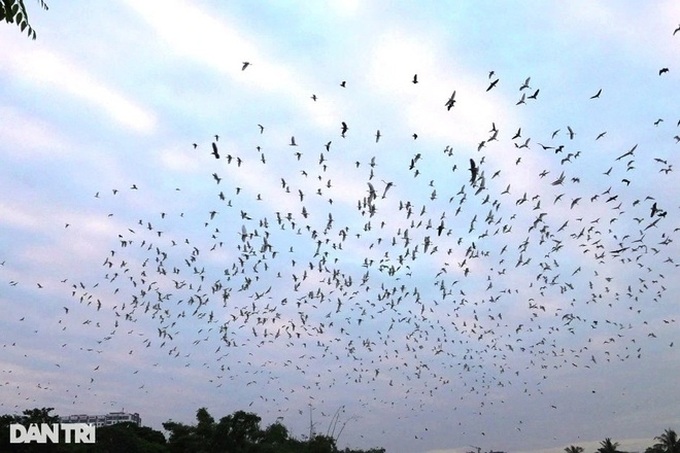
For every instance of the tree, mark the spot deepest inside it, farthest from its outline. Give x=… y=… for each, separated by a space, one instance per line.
x=238 y=431
x=607 y=446
x=14 y=12
x=182 y=437
x=205 y=429
x=321 y=444
x=39 y=416
x=126 y=437
x=668 y=442
x=574 y=449
x=275 y=434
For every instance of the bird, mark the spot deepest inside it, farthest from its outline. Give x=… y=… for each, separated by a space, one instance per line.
x=525 y=84
x=245 y=65
x=663 y=71
x=596 y=95
x=628 y=153
x=451 y=101
x=415 y=78
x=473 y=172
x=559 y=181
x=335 y=269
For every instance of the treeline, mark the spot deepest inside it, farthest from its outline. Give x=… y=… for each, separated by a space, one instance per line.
x=666 y=442
x=239 y=432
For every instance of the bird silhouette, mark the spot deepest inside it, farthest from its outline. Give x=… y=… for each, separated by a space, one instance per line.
x=492 y=84
x=451 y=101
x=473 y=172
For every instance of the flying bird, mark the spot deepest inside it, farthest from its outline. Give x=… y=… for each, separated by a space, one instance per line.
x=492 y=84
x=596 y=95
x=473 y=172
x=628 y=153
x=559 y=180
x=525 y=84
x=451 y=102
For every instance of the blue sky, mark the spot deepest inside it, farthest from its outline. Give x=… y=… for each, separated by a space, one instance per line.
x=519 y=328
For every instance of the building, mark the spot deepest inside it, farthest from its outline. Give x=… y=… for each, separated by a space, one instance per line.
x=103 y=420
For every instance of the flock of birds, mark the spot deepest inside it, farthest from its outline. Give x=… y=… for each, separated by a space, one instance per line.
x=410 y=268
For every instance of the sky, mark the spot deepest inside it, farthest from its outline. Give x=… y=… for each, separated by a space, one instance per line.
x=181 y=230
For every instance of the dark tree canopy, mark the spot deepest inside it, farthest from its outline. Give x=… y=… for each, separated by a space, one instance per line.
x=240 y=432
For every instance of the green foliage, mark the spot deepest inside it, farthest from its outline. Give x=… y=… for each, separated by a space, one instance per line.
x=668 y=442
x=607 y=446
x=126 y=437
x=14 y=12
x=573 y=449
x=240 y=432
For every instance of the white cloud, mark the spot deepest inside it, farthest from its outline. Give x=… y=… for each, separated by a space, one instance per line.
x=29 y=137
x=44 y=67
x=196 y=35
x=347 y=8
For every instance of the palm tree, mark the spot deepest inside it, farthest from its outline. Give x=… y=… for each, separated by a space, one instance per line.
x=573 y=449
x=607 y=446
x=668 y=442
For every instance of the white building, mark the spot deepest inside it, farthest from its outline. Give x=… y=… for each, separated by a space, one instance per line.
x=103 y=420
